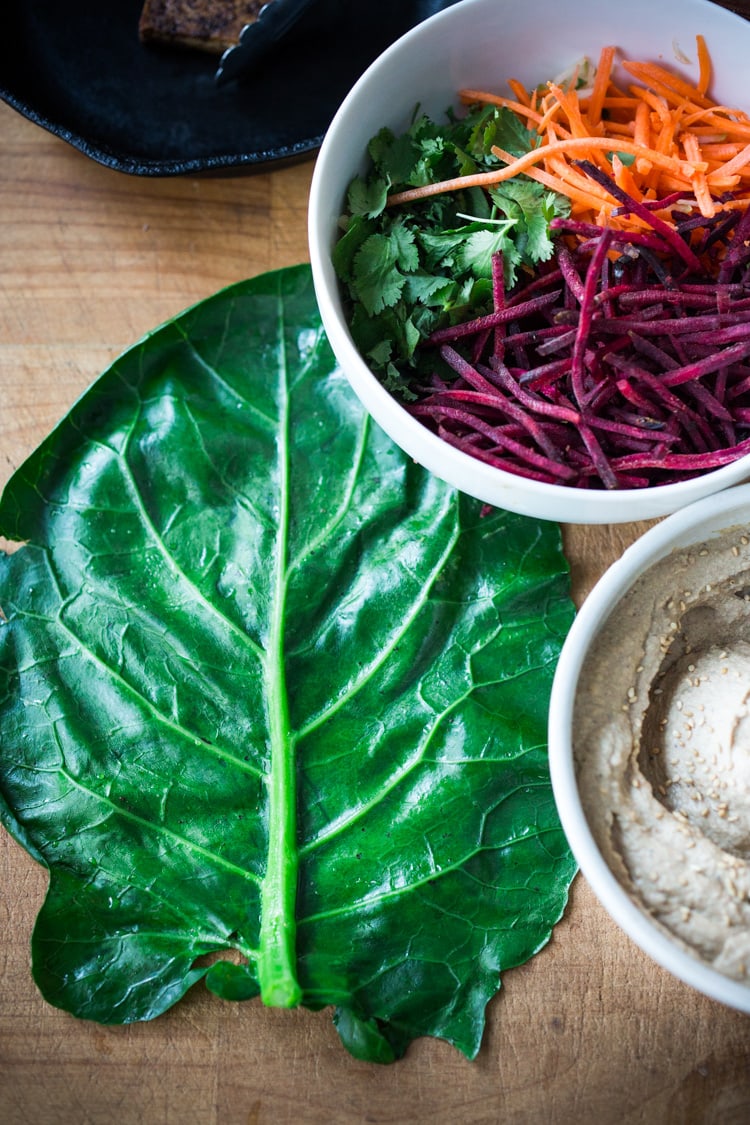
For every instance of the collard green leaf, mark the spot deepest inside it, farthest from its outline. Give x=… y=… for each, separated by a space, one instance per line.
x=269 y=689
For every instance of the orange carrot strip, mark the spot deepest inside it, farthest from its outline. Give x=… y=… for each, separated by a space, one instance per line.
x=668 y=136
x=665 y=140
x=610 y=103
x=601 y=84
x=728 y=183
x=580 y=146
x=549 y=115
x=572 y=108
x=642 y=136
x=651 y=74
x=728 y=112
x=703 y=196
x=663 y=119
x=519 y=91
x=737 y=124
x=720 y=150
x=656 y=101
x=556 y=132
x=675 y=183
x=739 y=129
x=738 y=162
x=558 y=166
x=587 y=199
x=624 y=178
x=620 y=129
x=471 y=96
x=704 y=65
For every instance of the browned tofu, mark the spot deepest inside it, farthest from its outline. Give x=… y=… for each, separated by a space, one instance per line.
x=209 y=25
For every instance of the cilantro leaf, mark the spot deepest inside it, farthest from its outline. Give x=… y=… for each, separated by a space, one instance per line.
x=378 y=266
x=409 y=270
x=477 y=249
x=367 y=198
x=394 y=156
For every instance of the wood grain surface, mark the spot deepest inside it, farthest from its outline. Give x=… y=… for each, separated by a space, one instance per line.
x=590 y=1031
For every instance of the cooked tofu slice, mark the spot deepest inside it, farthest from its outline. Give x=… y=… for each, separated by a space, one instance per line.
x=209 y=25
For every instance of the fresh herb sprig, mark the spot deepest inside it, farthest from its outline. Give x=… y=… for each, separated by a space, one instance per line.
x=410 y=269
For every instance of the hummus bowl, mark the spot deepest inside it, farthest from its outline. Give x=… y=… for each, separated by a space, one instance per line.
x=649 y=743
x=480 y=44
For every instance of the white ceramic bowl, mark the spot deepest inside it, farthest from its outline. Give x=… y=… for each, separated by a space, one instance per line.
x=481 y=43
x=694 y=524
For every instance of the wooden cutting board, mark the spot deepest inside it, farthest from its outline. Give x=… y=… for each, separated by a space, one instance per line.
x=589 y=1031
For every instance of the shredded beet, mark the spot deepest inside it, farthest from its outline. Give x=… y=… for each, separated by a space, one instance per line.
x=625 y=363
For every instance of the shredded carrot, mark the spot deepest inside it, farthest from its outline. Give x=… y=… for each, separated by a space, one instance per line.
x=551 y=112
x=519 y=91
x=472 y=96
x=704 y=64
x=703 y=196
x=601 y=82
x=739 y=161
x=625 y=179
x=661 y=134
x=592 y=199
x=577 y=146
x=561 y=168
x=655 y=101
x=720 y=150
x=736 y=125
x=572 y=109
x=658 y=77
x=642 y=137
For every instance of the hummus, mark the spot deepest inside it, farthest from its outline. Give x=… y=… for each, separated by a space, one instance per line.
x=662 y=747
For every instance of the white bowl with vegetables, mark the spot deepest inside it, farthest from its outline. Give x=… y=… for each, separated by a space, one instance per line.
x=566 y=336
x=649 y=743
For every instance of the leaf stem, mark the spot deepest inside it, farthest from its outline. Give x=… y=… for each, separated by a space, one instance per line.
x=277 y=960
x=278 y=931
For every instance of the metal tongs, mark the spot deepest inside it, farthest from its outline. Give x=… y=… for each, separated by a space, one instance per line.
x=275 y=22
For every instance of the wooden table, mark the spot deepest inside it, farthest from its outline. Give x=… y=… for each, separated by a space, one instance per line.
x=589 y=1031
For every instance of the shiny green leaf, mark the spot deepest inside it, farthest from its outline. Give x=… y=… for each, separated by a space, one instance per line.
x=272 y=692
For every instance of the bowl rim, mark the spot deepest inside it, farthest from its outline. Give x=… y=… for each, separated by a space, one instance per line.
x=489 y=483
x=702 y=520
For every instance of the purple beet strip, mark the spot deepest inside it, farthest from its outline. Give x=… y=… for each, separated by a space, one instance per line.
x=623 y=364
